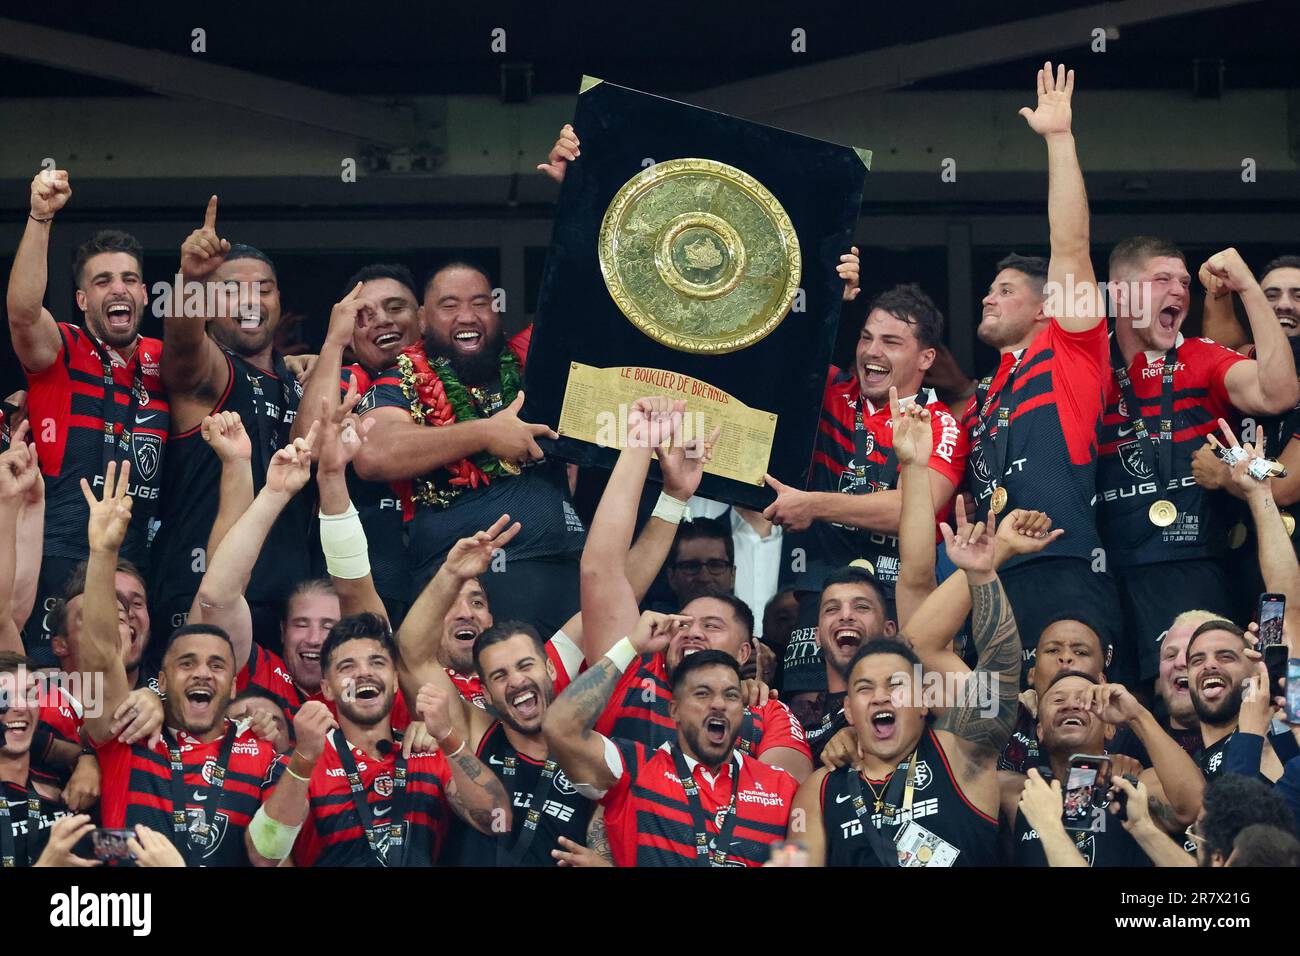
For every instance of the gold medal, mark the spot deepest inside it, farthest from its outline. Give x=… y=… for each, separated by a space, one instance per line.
x=999 y=500
x=924 y=852
x=1162 y=513
x=1288 y=522
x=864 y=564
x=1237 y=536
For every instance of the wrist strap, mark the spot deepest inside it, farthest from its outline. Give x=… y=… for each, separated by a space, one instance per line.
x=34 y=219
x=622 y=654
x=669 y=509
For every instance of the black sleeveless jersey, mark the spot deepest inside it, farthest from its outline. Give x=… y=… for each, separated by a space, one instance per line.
x=1110 y=847
x=561 y=810
x=266 y=403
x=938 y=804
x=30 y=818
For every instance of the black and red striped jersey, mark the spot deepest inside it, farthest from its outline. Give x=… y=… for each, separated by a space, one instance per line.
x=72 y=408
x=334 y=836
x=268 y=671
x=1050 y=460
x=836 y=468
x=266 y=401
x=938 y=804
x=648 y=817
x=634 y=713
x=1127 y=483
x=61 y=715
x=137 y=787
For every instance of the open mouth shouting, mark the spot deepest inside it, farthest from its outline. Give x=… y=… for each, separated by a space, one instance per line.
x=1213 y=686
x=1287 y=321
x=367 y=689
x=875 y=375
x=526 y=703
x=847 y=639
x=465 y=633
x=883 y=724
x=119 y=314
x=1180 y=684
x=716 y=730
x=200 y=699
x=1168 y=317
x=1073 y=719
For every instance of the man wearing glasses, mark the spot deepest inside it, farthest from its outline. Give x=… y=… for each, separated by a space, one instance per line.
x=702 y=560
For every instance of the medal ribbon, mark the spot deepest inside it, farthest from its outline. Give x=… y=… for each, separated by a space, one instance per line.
x=535 y=804
x=1158 y=460
x=108 y=415
x=1000 y=437
x=887 y=473
x=397 y=815
x=708 y=853
x=906 y=782
x=180 y=817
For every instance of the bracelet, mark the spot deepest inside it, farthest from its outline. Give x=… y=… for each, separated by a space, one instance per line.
x=296 y=776
x=669 y=509
x=34 y=219
x=457 y=750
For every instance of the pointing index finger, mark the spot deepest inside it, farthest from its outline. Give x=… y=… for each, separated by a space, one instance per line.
x=210 y=216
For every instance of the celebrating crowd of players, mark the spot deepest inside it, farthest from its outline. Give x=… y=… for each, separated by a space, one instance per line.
x=349 y=614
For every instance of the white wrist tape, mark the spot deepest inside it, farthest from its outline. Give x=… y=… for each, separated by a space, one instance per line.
x=271 y=838
x=344 y=542
x=622 y=654
x=669 y=509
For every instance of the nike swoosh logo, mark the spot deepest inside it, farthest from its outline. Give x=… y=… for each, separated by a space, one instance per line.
x=1126 y=431
x=383 y=812
x=141 y=419
x=499 y=763
x=200 y=797
x=842 y=799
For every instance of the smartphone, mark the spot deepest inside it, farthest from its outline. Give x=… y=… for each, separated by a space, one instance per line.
x=1084 y=793
x=1121 y=799
x=1275 y=659
x=1271 y=610
x=1293 y=691
x=110 y=845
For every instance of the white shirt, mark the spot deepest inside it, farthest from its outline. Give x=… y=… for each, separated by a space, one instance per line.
x=758 y=560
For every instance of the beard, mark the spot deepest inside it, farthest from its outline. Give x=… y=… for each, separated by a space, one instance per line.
x=349 y=710
x=476 y=369
x=706 y=752
x=545 y=695
x=232 y=341
x=114 y=339
x=1224 y=711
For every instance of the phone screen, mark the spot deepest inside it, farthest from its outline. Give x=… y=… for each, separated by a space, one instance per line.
x=1293 y=691
x=1272 y=608
x=1081 y=808
x=110 y=845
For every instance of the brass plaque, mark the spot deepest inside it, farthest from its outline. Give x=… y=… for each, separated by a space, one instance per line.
x=596 y=401
x=700 y=256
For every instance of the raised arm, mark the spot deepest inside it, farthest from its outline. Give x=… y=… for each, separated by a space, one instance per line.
x=31 y=540
x=220 y=599
x=1277 y=561
x=474 y=792
x=15 y=470
x=323 y=380
x=225 y=435
x=1218 y=318
x=1070 y=265
x=1267 y=384
x=33 y=330
x=343 y=540
x=98 y=648
x=981 y=727
x=192 y=364
x=271 y=834
x=913 y=440
x=571 y=718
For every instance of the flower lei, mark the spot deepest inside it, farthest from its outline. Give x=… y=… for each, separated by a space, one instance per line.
x=438 y=397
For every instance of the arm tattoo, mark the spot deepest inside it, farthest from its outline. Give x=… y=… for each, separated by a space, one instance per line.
x=1163 y=814
x=988 y=723
x=597 y=838
x=469 y=766
x=470 y=805
x=589 y=693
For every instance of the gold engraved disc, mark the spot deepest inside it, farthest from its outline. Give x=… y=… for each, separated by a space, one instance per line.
x=998 y=501
x=1162 y=513
x=700 y=256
